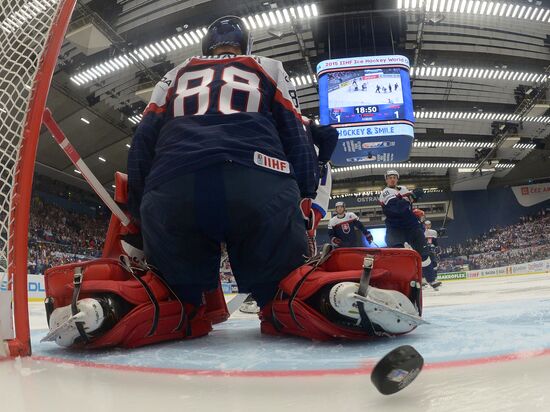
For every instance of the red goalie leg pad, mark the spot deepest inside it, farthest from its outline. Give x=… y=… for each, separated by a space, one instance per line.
x=295 y=309
x=154 y=315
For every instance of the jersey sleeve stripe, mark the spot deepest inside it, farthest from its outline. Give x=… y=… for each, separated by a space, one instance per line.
x=153 y=108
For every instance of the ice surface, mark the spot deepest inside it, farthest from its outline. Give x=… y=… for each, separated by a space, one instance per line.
x=485 y=320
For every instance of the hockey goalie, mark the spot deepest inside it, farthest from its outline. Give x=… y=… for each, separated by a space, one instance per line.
x=223 y=155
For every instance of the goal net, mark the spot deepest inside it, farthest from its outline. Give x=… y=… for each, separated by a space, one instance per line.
x=31 y=34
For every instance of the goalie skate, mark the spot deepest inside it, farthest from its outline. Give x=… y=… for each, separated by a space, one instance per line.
x=63 y=329
x=249 y=306
x=389 y=309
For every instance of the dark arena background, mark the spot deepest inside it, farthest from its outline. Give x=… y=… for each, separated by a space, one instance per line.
x=479 y=75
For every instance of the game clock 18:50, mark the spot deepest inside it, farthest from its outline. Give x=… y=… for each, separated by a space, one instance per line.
x=365 y=109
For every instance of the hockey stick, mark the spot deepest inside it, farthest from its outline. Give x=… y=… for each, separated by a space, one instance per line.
x=75 y=158
x=236 y=302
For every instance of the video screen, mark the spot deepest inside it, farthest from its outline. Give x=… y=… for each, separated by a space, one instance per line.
x=364 y=88
x=365 y=95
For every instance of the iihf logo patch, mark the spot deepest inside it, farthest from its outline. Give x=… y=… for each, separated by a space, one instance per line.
x=271 y=163
x=345 y=228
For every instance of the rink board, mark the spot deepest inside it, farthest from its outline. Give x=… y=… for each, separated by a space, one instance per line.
x=459 y=334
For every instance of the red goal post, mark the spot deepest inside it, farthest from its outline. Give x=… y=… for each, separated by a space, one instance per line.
x=31 y=35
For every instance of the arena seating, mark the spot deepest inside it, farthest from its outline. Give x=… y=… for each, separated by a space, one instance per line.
x=526 y=241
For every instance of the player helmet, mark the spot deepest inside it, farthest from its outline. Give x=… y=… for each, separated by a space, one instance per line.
x=427 y=222
x=340 y=204
x=391 y=173
x=227 y=31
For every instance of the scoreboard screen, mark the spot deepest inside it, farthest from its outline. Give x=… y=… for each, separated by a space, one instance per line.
x=364 y=94
x=368 y=100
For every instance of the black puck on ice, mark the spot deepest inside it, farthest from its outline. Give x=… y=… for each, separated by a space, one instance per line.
x=397 y=370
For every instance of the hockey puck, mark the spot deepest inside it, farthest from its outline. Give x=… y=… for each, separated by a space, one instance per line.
x=397 y=370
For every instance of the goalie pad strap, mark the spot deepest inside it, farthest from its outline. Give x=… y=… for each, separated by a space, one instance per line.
x=366 y=324
x=77 y=282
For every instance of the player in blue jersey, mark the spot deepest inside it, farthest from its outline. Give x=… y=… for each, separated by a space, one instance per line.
x=342 y=226
x=431 y=239
x=402 y=225
x=222 y=155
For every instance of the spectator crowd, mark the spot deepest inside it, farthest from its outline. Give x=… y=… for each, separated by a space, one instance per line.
x=526 y=241
x=58 y=236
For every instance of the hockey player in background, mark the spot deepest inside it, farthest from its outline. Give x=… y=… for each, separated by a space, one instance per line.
x=222 y=155
x=342 y=226
x=431 y=239
x=402 y=225
x=431 y=234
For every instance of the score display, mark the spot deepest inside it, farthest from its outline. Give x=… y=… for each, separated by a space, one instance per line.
x=368 y=100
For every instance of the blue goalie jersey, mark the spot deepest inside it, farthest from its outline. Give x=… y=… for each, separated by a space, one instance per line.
x=211 y=110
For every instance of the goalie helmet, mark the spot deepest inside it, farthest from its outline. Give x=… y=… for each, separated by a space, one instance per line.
x=391 y=173
x=227 y=31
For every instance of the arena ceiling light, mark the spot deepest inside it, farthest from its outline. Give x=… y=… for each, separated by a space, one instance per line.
x=481 y=116
x=183 y=40
x=476 y=73
x=303 y=81
x=529 y=146
x=449 y=144
x=504 y=166
x=478 y=8
x=102 y=159
x=135 y=119
x=26 y=13
x=414 y=165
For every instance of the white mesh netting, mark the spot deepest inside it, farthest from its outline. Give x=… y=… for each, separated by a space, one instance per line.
x=24 y=31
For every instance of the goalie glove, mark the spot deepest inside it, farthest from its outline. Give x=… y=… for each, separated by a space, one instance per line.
x=307 y=212
x=417 y=194
x=419 y=214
